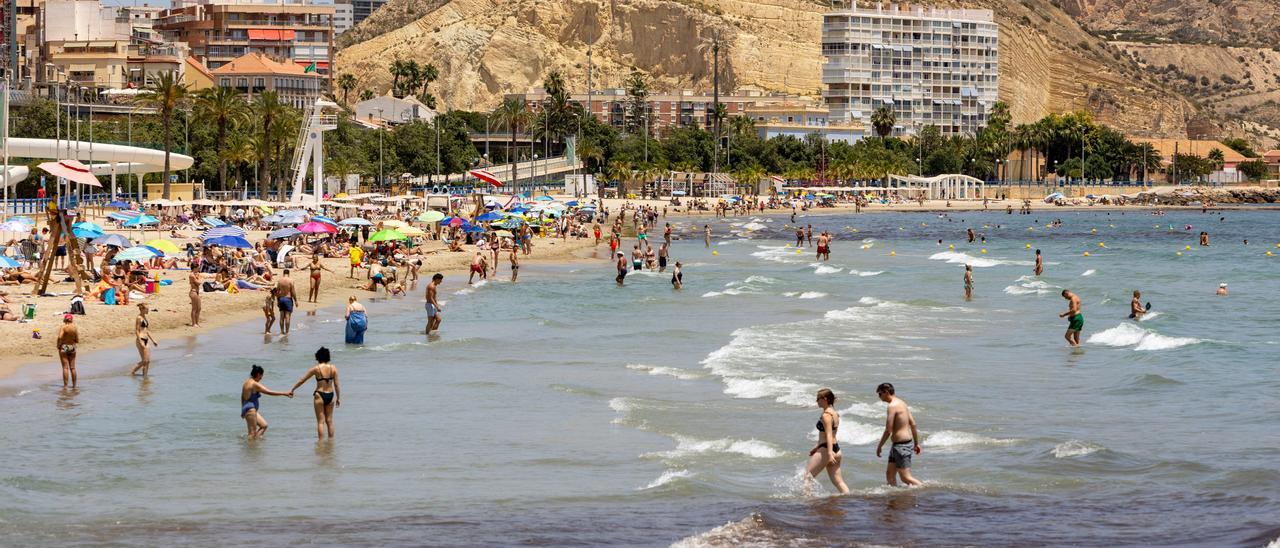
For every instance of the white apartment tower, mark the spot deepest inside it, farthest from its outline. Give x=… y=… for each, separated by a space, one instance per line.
x=931 y=66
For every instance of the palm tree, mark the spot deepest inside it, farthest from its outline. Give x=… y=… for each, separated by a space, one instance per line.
x=429 y=74
x=238 y=150
x=267 y=107
x=882 y=120
x=398 y=70
x=591 y=154
x=346 y=83
x=412 y=77
x=1215 y=155
x=222 y=107
x=366 y=94
x=511 y=114
x=283 y=127
x=620 y=172
x=167 y=94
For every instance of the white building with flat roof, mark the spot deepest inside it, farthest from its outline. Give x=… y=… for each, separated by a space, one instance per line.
x=931 y=66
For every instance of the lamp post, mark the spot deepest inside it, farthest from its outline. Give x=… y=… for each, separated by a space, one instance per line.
x=437 y=120
x=381 y=180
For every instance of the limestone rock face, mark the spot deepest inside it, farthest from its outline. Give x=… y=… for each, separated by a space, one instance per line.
x=486 y=48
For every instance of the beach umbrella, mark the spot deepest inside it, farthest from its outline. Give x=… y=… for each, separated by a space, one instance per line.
x=86 y=233
x=411 y=231
x=88 y=226
x=572 y=203
x=317 y=228
x=474 y=228
x=393 y=223
x=490 y=216
x=223 y=231
x=142 y=220
x=229 y=241
x=122 y=215
x=1053 y=197
x=138 y=253
x=323 y=219
x=6 y=262
x=518 y=210
x=14 y=226
x=213 y=221
x=283 y=233
x=112 y=239
x=457 y=221
x=503 y=233
x=431 y=217
x=272 y=219
x=545 y=199
x=355 y=221
x=117 y=203
x=485 y=176
x=388 y=234
x=165 y=247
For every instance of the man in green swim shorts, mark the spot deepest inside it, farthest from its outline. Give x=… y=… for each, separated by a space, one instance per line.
x=1074 y=316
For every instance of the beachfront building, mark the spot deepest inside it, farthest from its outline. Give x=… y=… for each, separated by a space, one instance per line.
x=800 y=120
x=364 y=8
x=675 y=109
x=930 y=66
x=254 y=73
x=219 y=31
x=1272 y=159
x=197 y=76
x=1228 y=174
x=389 y=110
x=343 y=17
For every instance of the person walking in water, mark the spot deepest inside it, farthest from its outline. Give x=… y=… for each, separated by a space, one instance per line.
x=285 y=297
x=677 y=276
x=622 y=269
x=143 y=340
x=68 y=338
x=515 y=264
x=900 y=427
x=706 y=234
x=269 y=312
x=968 y=282
x=824 y=247
x=826 y=455
x=250 y=410
x=328 y=393
x=1074 y=316
x=433 y=306
x=357 y=321
x=1039 y=264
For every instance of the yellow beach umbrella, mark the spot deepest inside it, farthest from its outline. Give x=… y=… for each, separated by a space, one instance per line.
x=166 y=246
x=411 y=231
x=393 y=223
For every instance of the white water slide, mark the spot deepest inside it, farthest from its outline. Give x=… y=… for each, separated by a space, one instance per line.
x=102 y=159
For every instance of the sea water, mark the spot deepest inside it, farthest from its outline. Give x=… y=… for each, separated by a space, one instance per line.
x=565 y=410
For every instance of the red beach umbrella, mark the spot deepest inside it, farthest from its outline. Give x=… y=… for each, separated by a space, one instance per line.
x=485 y=176
x=314 y=227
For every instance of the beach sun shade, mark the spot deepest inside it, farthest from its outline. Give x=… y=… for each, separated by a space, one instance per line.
x=123 y=215
x=412 y=231
x=229 y=241
x=6 y=262
x=486 y=177
x=1053 y=197
x=142 y=220
x=91 y=227
x=474 y=228
x=490 y=216
x=135 y=254
x=394 y=223
x=317 y=228
x=164 y=246
x=355 y=221
x=283 y=233
x=457 y=221
x=431 y=217
x=14 y=226
x=545 y=199
x=112 y=239
x=323 y=219
x=86 y=230
x=223 y=231
x=388 y=234
x=71 y=170
x=117 y=203
x=214 y=221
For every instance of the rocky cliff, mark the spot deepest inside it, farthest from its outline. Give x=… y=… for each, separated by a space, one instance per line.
x=486 y=48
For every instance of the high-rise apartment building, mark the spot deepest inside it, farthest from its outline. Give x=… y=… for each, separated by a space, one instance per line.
x=362 y=9
x=343 y=17
x=219 y=31
x=930 y=66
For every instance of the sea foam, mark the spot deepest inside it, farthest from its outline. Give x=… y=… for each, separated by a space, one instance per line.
x=1128 y=334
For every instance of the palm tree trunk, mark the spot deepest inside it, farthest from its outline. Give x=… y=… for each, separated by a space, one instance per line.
x=222 y=161
x=168 y=144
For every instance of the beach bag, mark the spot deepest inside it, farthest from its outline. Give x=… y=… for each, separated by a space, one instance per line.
x=208 y=287
x=109 y=296
x=77 y=306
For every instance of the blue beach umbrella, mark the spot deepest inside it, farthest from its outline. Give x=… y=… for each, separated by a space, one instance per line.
x=139 y=253
x=112 y=239
x=490 y=216
x=142 y=220
x=229 y=241
x=545 y=199
x=325 y=220
x=86 y=229
x=474 y=228
x=122 y=215
x=117 y=203
x=571 y=203
x=214 y=221
x=355 y=221
x=280 y=234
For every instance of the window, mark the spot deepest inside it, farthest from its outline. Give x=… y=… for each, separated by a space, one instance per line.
x=225 y=82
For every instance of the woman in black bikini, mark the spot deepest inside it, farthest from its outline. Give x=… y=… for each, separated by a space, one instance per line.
x=827 y=453
x=328 y=394
x=142 y=338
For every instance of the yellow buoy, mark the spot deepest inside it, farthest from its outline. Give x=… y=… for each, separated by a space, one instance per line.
x=1268 y=253
x=1086 y=254
x=1102 y=244
x=797 y=252
x=1188 y=248
x=715 y=252
x=951 y=246
x=1094 y=231
x=1179 y=253
x=1028 y=246
x=893 y=253
x=984 y=250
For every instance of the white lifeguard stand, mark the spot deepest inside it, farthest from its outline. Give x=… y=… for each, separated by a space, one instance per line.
x=321 y=117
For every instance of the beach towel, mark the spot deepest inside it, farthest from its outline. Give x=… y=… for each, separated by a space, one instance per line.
x=356 y=326
x=109 y=296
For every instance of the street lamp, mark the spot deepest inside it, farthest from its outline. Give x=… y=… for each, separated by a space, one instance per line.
x=381 y=121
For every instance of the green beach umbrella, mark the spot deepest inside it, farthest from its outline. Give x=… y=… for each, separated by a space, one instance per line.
x=431 y=216
x=388 y=234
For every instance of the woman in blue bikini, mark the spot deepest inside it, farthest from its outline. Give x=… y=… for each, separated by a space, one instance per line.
x=250 y=391
x=327 y=395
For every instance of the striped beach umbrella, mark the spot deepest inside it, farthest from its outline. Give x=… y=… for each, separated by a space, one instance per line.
x=221 y=231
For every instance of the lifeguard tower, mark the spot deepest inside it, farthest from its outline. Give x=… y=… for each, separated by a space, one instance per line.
x=321 y=117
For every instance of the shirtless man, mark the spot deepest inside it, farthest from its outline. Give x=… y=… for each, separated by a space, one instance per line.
x=1039 y=264
x=68 y=338
x=824 y=246
x=1136 y=310
x=663 y=253
x=433 y=306
x=476 y=268
x=968 y=282
x=799 y=237
x=285 y=297
x=1074 y=316
x=666 y=232
x=621 y=263
x=637 y=258
x=808 y=233
x=969 y=232
x=901 y=426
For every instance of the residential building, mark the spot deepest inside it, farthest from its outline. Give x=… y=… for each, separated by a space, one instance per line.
x=362 y=9
x=930 y=66
x=219 y=31
x=140 y=20
x=675 y=109
x=800 y=120
x=254 y=73
x=388 y=109
x=80 y=42
x=1272 y=159
x=1168 y=147
x=197 y=76
x=343 y=17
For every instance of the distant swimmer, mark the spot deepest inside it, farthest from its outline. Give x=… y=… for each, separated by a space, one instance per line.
x=250 y=410
x=1136 y=310
x=899 y=426
x=826 y=455
x=328 y=393
x=824 y=246
x=968 y=282
x=799 y=237
x=621 y=263
x=970 y=234
x=434 y=310
x=677 y=277
x=1039 y=264
x=1074 y=316
x=1204 y=239
x=706 y=234
x=1222 y=289
x=808 y=232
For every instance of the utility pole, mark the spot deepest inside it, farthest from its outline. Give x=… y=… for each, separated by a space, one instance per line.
x=715 y=101
x=590 y=112
x=380 y=129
